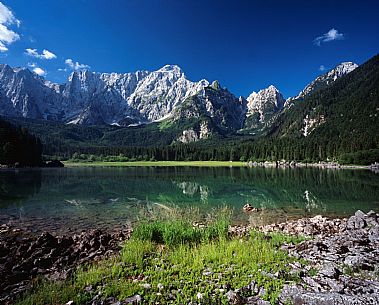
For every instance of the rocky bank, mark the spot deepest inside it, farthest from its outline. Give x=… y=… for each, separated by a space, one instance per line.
x=24 y=256
x=338 y=261
x=342 y=258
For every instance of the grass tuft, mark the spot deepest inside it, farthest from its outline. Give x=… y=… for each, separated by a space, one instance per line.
x=179 y=232
x=174 y=262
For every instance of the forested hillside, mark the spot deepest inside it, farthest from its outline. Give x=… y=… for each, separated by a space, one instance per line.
x=18 y=146
x=338 y=120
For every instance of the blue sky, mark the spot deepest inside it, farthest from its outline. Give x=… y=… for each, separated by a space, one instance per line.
x=246 y=45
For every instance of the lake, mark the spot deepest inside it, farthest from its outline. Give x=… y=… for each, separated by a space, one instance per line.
x=73 y=199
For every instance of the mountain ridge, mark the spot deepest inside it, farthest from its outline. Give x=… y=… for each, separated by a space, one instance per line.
x=324 y=80
x=146 y=96
x=344 y=115
x=143 y=97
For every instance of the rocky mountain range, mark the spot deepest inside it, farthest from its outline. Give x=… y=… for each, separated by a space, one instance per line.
x=95 y=98
x=143 y=97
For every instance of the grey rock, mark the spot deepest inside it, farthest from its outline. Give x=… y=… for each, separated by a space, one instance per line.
x=112 y=300
x=312 y=284
x=330 y=270
x=373 y=234
x=250 y=288
x=261 y=291
x=234 y=298
x=355 y=260
x=207 y=273
x=355 y=222
x=360 y=214
x=133 y=300
x=295 y=295
x=335 y=286
x=256 y=301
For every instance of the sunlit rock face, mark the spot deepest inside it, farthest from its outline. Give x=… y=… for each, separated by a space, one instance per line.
x=130 y=99
x=96 y=98
x=262 y=107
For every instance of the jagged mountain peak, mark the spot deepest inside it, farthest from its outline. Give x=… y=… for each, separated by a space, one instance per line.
x=272 y=88
x=262 y=106
x=346 y=67
x=216 y=85
x=325 y=79
x=169 y=68
x=264 y=95
x=213 y=106
x=338 y=71
x=24 y=71
x=80 y=74
x=173 y=70
x=269 y=90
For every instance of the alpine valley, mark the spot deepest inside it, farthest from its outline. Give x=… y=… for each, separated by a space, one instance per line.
x=163 y=115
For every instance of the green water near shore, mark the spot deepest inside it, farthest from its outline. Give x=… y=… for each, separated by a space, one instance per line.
x=74 y=199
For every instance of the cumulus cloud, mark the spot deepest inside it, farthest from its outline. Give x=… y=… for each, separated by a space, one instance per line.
x=39 y=71
x=75 y=65
x=44 y=55
x=7 y=36
x=331 y=35
x=32 y=64
x=322 y=68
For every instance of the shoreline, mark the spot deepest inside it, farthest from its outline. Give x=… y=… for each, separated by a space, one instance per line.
x=266 y=164
x=342 y=256
x=322 y=165
x=26 y=256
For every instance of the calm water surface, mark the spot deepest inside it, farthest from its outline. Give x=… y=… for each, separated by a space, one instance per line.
x=73 y=199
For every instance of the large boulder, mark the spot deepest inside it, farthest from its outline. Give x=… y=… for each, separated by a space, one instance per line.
x=356 y=221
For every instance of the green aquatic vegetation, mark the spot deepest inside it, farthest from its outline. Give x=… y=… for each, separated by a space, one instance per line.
x=176 y=263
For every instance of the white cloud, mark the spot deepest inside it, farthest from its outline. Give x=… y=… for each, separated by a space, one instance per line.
x=7 y=36
x=62 y=69
x=322 y=68
x=44 y=55
x=32 y=64
x=330 y=36
x=48 y=55
x=32 y=52
x=75 y=65
x=39 y=71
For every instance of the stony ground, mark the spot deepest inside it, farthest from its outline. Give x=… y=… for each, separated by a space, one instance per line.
x=340 y=260
x=343 y=253
x=23 y=256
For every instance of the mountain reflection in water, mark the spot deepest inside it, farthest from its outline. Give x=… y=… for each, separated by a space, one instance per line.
x=73 y=199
